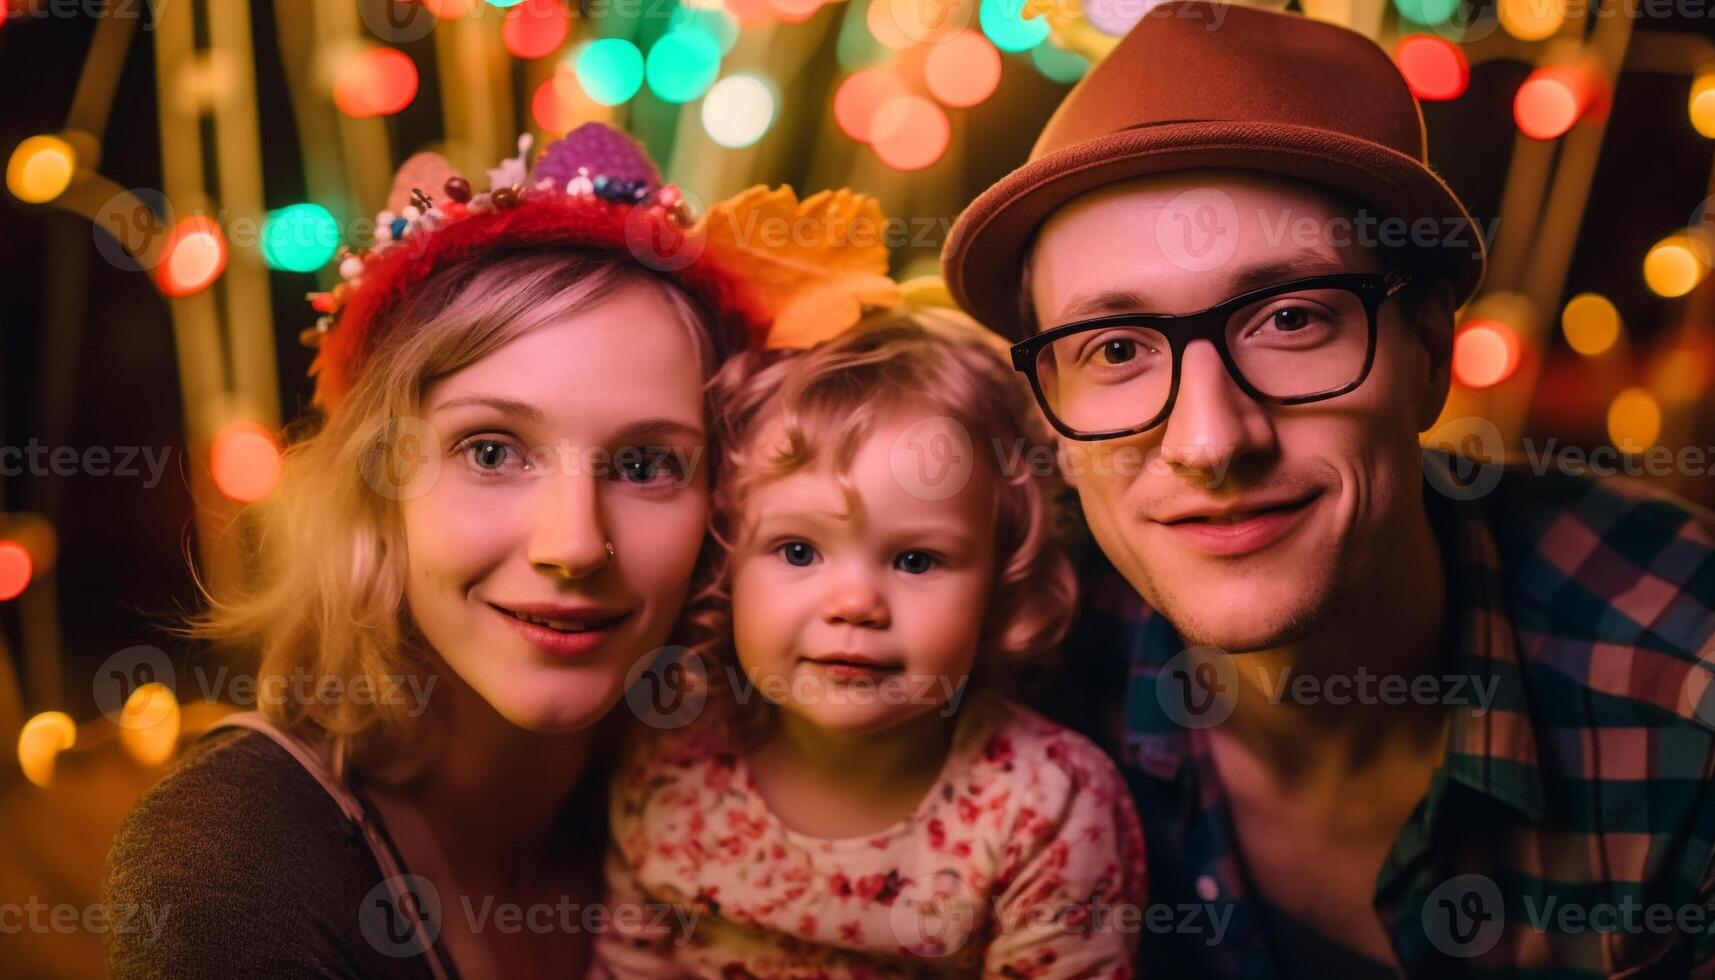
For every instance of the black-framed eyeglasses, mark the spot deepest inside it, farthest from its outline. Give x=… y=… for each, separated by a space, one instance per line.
x=1287 y=344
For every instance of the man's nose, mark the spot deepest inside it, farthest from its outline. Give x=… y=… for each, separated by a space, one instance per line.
x=1213 y=421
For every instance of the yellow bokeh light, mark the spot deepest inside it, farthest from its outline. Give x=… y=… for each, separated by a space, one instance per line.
x=41 y=741
x=1532 y=20
x=41 y=169
x=149 y=726
x=1702 y=106
x=1590 y=323
x=1634 y=420
x=1672 y=267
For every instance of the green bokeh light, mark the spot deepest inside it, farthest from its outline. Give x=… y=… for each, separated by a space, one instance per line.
x=299 y=238
x=1004 y=23
x=1059 y=65
x=610 y=70
x=1426 y=12
x=683 y=64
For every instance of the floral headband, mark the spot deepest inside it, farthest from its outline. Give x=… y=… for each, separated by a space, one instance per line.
x=772 y=270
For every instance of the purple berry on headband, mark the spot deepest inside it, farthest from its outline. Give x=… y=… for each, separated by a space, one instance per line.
x=600 y=149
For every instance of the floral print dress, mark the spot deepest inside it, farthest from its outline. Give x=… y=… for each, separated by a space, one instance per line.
x=1024 y=860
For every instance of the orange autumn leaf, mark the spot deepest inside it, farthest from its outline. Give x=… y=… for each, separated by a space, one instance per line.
x=812 y=267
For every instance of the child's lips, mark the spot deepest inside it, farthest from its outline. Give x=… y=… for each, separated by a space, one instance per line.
x=850 y=666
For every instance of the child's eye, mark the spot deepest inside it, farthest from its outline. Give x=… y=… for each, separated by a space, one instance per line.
x=488 y=455
x=797 y=553
x=915 y=562
x=644 y=465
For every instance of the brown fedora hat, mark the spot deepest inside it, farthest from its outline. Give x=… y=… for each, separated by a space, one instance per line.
x=1204 y=85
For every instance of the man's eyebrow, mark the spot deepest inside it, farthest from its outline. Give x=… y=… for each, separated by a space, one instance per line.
x=1299 y=266
x=508 y=406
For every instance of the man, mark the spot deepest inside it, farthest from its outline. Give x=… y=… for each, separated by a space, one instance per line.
x=1378 y=717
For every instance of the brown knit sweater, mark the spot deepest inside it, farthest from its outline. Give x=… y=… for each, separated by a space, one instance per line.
x=251 y=870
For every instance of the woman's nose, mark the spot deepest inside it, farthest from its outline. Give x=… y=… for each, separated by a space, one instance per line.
x=854 y=600
x=568 y=536
x=1213 y=421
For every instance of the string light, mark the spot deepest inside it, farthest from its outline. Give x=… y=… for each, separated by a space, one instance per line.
x=963 y=70
x=245 y=461
x=1673 y=267
x=738 y=110
x=1590 y=323
x=1434 y=67
x=1634 y=420
x=40 y=742
x=193 y=258
x=16 y=568
x=41 y=168
x=1485 y=353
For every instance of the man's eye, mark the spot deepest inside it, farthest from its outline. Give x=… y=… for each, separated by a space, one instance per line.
x=915 y=562
x=797 y=553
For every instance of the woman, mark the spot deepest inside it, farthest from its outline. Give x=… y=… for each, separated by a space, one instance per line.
x=501 y=514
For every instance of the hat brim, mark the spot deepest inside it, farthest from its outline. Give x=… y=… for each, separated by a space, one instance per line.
x=983 y=259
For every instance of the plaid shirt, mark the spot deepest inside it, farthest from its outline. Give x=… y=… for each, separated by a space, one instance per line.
x=1580 y=796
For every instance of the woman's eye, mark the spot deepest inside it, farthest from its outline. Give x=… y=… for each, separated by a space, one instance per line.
x=648 y=464
x=487 y=455
x=797 y=553
x=915 y=562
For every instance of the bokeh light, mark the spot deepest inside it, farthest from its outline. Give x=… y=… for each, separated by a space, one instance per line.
x=1702 y=104
x=858 y=98
x=1634 y=420
x=16 y=568
x=1004 y=23
x=963 y=70
x=610 y=70
x=683 y=64
x=376 y=82
x=149 y=724
x=535 y=28
x=299 y=238
x=1673 y=266
x=795 y=11
x=1485 y=353
x=1552 y=100
x=1059 y=65
x=561 y=105
x=40 y=742
x=1590 y=323
x=750 y=13
x=452 y=9
x=1116 y=17
x=1434 y=67
x=193 y=257
x=738 y=110
x=1532 y=20
x=1427 y=13
x=245 y=461
x=910 y=132
x=41 y=168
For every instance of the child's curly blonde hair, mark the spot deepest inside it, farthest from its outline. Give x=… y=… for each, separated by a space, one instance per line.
x=828 y=399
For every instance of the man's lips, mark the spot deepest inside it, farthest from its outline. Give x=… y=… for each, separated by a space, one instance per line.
x=1240 y=529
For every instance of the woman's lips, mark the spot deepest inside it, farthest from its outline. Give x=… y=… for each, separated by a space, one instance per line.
x=561 y=637
x=1241 y=533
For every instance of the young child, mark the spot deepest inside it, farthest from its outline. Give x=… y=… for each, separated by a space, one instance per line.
x=867 y=802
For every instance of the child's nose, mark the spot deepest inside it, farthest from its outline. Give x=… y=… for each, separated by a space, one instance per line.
x=855 y=601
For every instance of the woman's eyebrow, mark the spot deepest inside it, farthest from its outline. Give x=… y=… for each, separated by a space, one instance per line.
x=660 y=428
x=509 y=406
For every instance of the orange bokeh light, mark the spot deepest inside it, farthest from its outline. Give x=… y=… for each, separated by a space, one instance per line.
x=1434 y=67
x=378 y=82
x=858 y=98
x=245 y=461
x=910 y=132
x=750 y=13
x=1485 y=353
x=795 y=11
x=193 y=258
x=452 y=9
x=535 y=28
x=15 y=570
x=963 y=70
x=1552 y=100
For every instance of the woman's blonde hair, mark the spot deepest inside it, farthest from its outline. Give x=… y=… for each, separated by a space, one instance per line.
x=828 y=399
x=329 y=600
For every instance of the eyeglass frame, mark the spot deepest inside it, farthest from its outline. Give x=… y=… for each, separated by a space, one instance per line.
x=1372 y=288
